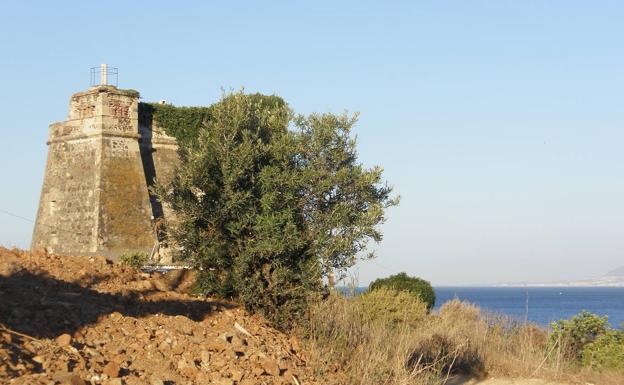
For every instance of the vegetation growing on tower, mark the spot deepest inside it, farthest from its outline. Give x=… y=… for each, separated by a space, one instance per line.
x=184 y=123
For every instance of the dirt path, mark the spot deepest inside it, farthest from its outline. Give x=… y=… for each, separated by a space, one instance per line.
x=502 y=381
x=495 y=381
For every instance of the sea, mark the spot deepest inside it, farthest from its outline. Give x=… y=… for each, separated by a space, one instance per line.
x=541 y=305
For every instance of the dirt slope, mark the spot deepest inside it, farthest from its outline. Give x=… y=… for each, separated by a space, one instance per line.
x=84 y=320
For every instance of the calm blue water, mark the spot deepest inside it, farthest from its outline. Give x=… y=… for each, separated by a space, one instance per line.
x=546 y=304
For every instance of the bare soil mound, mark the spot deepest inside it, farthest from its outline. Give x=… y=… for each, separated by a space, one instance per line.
x=85 y=320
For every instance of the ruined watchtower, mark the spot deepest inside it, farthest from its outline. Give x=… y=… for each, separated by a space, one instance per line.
x=101 y=161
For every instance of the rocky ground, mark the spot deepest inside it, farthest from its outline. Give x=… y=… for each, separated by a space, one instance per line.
x=85 y=320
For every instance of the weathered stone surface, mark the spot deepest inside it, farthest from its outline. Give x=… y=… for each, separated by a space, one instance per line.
x=101 y=162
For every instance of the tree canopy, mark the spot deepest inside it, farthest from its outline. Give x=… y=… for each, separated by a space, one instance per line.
x=268 y=202
x=403 y=282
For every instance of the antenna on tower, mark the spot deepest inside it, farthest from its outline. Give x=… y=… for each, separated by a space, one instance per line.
x=104 y=76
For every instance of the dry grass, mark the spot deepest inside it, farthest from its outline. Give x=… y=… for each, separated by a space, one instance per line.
x=386 y=337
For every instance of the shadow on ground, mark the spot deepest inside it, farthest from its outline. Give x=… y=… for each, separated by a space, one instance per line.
x=45 y=307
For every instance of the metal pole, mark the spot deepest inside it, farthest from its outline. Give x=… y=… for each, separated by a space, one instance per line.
x=103 y=74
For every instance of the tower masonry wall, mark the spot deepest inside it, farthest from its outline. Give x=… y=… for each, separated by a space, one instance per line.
x=67 y=219
x=95 y=196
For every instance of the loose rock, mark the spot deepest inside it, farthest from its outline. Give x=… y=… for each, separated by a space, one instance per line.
x=63 y=340
x=118 y=327
x=112 y=369
x=271 y=367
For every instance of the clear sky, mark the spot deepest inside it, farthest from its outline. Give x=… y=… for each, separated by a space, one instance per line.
x=500 y=123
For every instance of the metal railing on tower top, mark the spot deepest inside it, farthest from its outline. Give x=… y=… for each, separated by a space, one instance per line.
x=104 y=76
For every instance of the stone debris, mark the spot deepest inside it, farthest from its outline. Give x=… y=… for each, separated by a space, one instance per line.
x=111 y=369
x=63 y=340
x=85 y=321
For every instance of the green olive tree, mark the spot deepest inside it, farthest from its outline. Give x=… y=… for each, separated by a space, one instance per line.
x=267 y=203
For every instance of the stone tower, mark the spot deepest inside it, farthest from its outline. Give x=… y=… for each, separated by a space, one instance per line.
x=95 y=197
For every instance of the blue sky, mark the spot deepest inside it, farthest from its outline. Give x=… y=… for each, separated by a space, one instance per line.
x=498 y=122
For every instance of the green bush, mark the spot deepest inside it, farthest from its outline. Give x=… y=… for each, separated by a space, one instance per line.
x=606 y=352
x=574 y=334
x=135 y=259
x=403 y=282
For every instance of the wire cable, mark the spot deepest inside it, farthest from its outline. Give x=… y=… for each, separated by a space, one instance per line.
x=16 y=216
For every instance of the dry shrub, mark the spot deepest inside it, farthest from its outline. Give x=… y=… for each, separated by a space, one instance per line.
x=509 y=348
x=391 y=308
x=459 y=311
x=504 y=346
x=368 y=336
x=386 y=339
x=447 y=356
x=445 y=342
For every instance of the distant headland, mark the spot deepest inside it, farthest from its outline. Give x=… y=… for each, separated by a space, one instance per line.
x=614 y=278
